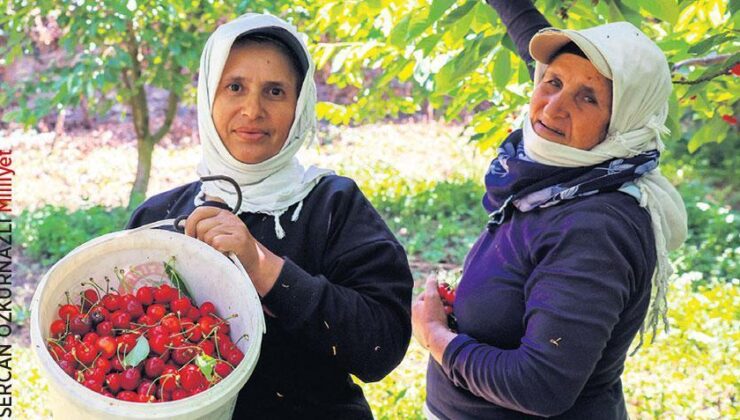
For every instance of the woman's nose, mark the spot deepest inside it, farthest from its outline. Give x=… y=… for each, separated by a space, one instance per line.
x=557 y=106
x=251 y=106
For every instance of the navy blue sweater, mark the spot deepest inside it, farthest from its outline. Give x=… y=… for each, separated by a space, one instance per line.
x=547 y=307
x=549 y=303
x=342 y=302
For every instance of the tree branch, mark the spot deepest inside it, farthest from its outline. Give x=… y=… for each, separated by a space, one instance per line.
x=703 y=79
x=703 y=61
x=169 y=117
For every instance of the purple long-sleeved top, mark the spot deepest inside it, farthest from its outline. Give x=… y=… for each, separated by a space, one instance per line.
x=549 y=302
x=547 y=308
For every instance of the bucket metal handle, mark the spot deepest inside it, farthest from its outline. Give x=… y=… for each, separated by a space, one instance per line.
x=231 y=181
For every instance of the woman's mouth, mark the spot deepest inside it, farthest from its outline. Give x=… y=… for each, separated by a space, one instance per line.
x=250 y=134
x=548 y=129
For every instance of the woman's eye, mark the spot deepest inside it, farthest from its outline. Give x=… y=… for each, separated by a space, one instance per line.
x=275 y=91
x=554 y=82
x=234 y=87
x=589 y=99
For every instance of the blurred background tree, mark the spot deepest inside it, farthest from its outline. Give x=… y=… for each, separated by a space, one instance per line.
x=382 y=59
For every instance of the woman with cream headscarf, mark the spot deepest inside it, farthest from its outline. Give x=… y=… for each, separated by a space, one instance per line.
x=320 y=257
x=574 y=262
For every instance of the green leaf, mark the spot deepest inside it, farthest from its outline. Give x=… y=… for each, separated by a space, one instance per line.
x=458 y=13
x=397 y=36
x=502 y=68
x=438 y=8
x=138 y=353
x=206 y=364
x=713 y=131
x=176 y=279
x=706 y=44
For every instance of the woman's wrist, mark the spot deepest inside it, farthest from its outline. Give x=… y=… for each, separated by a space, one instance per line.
x=263 y=269
x=438 y=339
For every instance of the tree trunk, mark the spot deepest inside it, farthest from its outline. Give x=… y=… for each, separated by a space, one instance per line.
x=144 y=150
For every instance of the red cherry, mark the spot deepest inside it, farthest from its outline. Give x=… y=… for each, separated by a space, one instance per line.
x=145 y=295
x=156 y=311
x=158 y=330
x=153 y=367
x=194 y=333
x=68 y=367
x=111 y=302
x=97 y=374
x=56 y=351
x=207 y=347
x=184 y=355
x=192 y=378
x=126 y=342
x=193 y=313
x=180 y=305
x=130 y=379
x=90 y=338
x=169 y=379
x=158 y=343
x=80 y=324
x=132 y=306
x=207 y=324
x=105 y=328
x=145 y=321
x=177 y=340
x=736 y=69
x=146 y=388
x=94 y=385
x=729 y=119
x=448 y=309
x=85 y=354
x=223 y=369
x=128 y=396
x=165 y=293
x=225 y=346
x=107 y=346
x=89 y=298
x=207 y=308
x=98 y=314
x=58 y=328
x=103 y=364
x=116 y=364
x=171 y=323
x=179 y=394
x=121 y=320
x=70 y=342
x=66 y=312
x=113 y=380
x=235 y=357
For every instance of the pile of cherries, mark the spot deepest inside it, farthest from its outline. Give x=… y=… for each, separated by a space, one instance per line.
x=447 y=294
x=90 y=342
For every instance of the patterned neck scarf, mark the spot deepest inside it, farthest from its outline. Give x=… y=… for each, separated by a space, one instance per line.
x=514 y=179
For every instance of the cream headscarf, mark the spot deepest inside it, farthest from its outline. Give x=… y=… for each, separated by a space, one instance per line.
x=268 y=187
x=641 y=85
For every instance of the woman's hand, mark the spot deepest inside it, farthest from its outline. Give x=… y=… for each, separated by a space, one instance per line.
x=429 y=321
x=225 y=232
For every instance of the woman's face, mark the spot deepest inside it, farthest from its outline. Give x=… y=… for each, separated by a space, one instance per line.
x=572 y=103
x=255 y=102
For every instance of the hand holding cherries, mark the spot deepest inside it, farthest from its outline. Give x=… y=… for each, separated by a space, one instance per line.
x=447 y=294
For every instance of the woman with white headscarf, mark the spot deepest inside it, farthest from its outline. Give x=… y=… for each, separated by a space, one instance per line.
x=573 y=264
x=334 y=282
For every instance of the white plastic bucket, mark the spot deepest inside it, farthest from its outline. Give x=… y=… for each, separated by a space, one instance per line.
x=209 y=276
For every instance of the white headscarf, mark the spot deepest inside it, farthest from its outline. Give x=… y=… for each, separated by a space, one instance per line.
x=641 y=86
x=268 y=187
